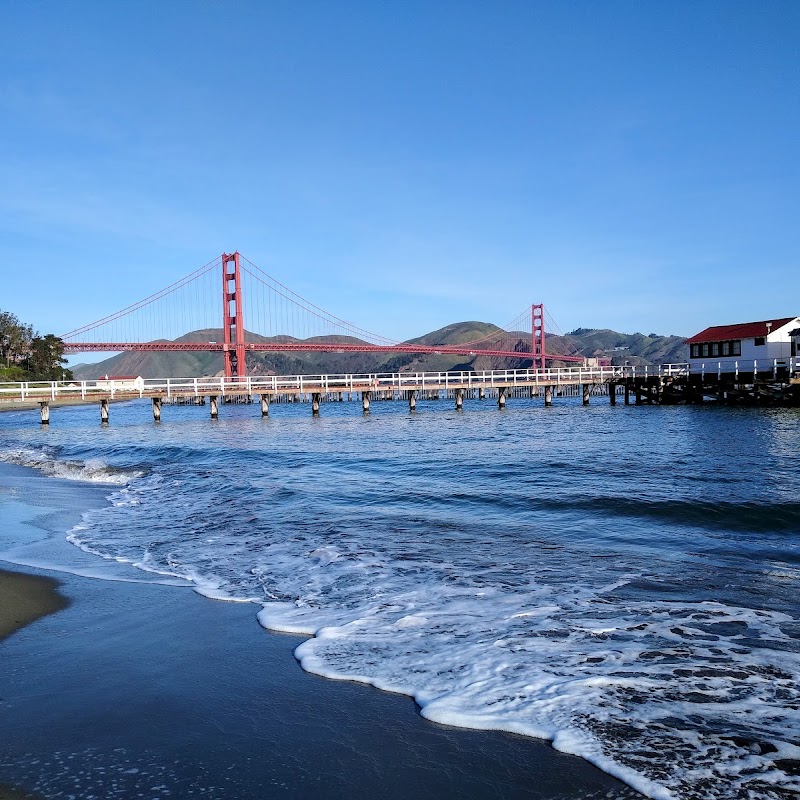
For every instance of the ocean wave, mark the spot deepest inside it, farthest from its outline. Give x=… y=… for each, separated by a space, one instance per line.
x=639 y=624
x=93 y=470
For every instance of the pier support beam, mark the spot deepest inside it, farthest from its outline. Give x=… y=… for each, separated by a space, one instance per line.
x=548 y=395
x=459 y=399
x=612 y=394
x=627 y=394
x=156 y=409
x=45 y=410
x=104 y=412
x=586 y=389
x=501 y=397
x=213 y=401
x=365 y=402
x=481 y=393
x=264 y=405
x=412 y=400
x=315 y=401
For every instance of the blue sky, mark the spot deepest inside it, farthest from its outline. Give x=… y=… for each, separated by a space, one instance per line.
x=633 y=165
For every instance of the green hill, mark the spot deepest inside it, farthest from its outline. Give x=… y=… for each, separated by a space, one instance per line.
x=636 y=349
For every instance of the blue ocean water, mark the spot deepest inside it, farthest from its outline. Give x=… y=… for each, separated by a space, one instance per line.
x=621 y=581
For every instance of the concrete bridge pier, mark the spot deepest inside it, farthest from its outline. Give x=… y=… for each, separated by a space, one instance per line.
x=104 y=412
x=213 y=401
x=459 y=399
x=412 y=400
x=45 y=411
x=548 y=395
x=501 y=397
x=156 y=409
x=264 y=405
x=586 y=389
x=365 y=402
x=315 y=401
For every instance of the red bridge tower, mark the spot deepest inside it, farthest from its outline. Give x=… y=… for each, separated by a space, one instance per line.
x=232 y=318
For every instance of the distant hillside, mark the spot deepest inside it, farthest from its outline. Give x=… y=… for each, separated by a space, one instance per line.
x=636 y=349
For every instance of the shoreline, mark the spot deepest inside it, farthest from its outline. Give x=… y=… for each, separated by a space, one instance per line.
x=194 y=696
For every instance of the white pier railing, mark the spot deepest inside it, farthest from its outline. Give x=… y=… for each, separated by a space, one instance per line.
x=300 y=384
x=111 y=388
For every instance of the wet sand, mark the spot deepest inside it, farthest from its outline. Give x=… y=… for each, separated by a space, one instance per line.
x=24 y=599
x=146 y=690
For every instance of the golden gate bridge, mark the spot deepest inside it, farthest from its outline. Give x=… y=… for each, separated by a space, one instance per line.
x=279 y=320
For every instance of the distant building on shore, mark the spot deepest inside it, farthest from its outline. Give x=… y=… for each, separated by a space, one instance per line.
x=763 y=342
x=121 y=382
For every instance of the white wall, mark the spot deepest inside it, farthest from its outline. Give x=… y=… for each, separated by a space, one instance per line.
x=778 y=346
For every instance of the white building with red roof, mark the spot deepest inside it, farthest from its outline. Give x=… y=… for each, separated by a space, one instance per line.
x=746 y=343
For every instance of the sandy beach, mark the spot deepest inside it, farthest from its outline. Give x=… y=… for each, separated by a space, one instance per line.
x=140 y=689
x=25 y=598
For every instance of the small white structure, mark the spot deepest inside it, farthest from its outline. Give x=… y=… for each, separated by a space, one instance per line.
x=121 y=382
x=747 y=346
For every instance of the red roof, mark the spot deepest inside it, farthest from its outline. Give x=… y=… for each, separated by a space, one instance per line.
x=744 y=330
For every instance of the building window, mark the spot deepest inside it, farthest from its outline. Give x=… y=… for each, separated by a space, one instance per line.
x=704 y=350
x=715 y=348
x=726 y=348
x=736 y=348
x=759 y=341
x=695 y=351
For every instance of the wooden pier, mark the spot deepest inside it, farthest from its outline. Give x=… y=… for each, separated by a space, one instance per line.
x=777 y=383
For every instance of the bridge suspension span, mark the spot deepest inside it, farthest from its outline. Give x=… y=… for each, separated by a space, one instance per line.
x=185 y=316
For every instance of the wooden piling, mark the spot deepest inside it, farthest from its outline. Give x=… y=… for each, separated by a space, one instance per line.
x=213 y=401
x=501 y=397
x=548 y=395
x=264 y=405
x=586 y=389
x=104 y=411
x=315 y=401
x=156 y=409
x=365 y=402
x=459 y=399
x=44 y=406
x=412 y=400
x=612 y=393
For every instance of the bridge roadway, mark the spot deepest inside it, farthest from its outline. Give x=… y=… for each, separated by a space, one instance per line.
x=408 y=386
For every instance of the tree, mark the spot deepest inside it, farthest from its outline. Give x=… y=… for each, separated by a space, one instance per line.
x=46 y=360
x=15 y=339
x=27 y=355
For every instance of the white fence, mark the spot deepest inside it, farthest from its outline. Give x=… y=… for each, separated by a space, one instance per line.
x=41 y=391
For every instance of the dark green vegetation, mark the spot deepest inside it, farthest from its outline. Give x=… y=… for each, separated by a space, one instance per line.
x=27 y=356
x=621 y=348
